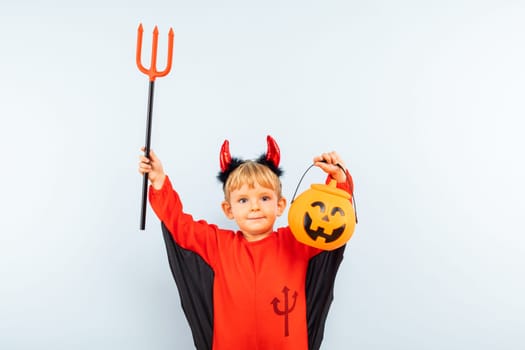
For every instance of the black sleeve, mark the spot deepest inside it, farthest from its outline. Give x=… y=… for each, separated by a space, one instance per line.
x=320 y=279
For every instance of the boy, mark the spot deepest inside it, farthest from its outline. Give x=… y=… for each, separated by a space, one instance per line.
x=257 y=288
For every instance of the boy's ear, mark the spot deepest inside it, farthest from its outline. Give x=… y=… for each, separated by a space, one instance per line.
x=227 y=209
x=281 y=205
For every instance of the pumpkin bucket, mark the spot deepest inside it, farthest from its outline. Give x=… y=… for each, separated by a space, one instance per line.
x=322 y=216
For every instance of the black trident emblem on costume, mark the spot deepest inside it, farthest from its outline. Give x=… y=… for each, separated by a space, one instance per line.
x=287 y=308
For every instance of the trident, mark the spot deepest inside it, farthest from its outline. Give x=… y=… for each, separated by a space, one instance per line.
x=152 y=73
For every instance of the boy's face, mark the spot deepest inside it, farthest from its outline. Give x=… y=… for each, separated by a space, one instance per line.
x=254 y=210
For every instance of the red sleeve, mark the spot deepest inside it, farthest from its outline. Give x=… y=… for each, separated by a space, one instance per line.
x=197 y=236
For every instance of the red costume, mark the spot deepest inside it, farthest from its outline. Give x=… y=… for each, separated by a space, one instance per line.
x=265 y=295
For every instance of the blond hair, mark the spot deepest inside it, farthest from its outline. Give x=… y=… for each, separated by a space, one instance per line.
x=250 y=173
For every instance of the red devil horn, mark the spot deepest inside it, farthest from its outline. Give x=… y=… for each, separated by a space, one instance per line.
x=273 y=154
x=225 y=156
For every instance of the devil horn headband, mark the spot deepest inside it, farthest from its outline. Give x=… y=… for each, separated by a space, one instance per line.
x=228 y=164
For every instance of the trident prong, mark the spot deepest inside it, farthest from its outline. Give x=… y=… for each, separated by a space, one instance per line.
x=152 y=72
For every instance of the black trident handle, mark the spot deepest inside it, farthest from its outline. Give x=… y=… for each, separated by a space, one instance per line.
x=146 y=153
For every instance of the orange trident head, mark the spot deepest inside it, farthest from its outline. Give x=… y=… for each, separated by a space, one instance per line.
x=152 y=71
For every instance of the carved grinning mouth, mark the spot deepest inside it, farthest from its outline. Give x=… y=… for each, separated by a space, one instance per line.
x=319 y=232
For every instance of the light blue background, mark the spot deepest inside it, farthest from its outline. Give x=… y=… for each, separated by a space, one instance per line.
x=423 y=99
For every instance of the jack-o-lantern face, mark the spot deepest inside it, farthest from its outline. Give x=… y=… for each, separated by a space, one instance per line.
x=323 y=222
x=322 y=217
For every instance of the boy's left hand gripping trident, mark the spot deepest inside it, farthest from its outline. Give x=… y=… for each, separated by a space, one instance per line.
x=152 y=73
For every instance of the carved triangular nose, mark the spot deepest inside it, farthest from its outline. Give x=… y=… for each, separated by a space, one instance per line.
x=325 y=218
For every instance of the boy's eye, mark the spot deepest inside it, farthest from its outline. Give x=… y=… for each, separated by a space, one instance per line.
x=266 y=198
x=243 y=200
